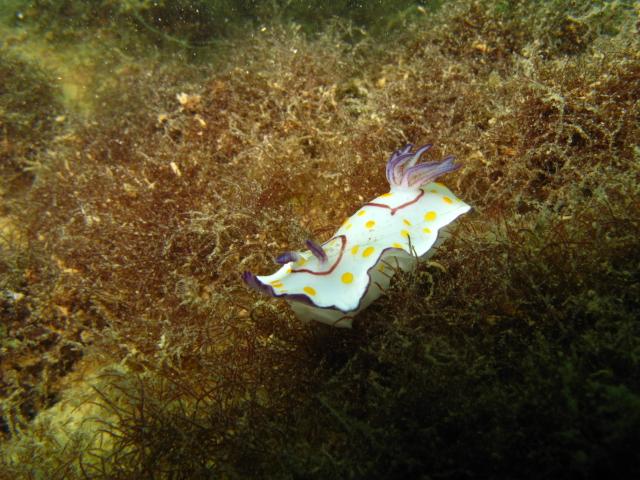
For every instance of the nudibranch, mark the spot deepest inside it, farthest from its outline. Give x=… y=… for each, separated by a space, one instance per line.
x=333 y=281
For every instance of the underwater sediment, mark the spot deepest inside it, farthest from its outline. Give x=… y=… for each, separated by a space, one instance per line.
x=137 y=189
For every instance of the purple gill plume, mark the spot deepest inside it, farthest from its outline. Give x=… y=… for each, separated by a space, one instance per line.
x=403 y=172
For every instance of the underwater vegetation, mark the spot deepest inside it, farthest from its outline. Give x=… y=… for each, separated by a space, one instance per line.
x=30 y=108
x=204 y=23
x=131 y=348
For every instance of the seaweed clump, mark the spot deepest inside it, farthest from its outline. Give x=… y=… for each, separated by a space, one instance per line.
x=204 y=23
x=513 y=353
x=30 y=111
x=157 y=289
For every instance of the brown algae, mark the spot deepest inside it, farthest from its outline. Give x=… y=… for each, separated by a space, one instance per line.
x=129 y=347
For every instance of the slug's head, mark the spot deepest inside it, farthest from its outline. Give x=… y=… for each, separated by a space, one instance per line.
x=403 y=173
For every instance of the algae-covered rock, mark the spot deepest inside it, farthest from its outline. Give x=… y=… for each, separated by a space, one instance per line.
x=511 y=354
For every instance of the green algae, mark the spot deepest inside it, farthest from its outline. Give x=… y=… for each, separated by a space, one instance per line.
x=130 y=348
x=30 y=110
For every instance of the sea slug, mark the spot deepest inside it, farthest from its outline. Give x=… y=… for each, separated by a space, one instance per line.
x=333 y=281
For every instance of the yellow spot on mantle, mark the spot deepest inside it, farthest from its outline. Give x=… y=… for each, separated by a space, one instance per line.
x=277 y=284
x=347 y=277
x=404 y=233
x=386 y=195
x=430 y=216
x=370 y=224
x=406 y=222
x=426 y=230
x=355 y=249
x=396 y=245
x=361 y=213
x=447 y=200
x=309 y=290
x=368 y=251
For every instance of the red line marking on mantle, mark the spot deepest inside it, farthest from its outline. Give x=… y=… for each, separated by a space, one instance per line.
x=395 y=209
x=343 y=239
